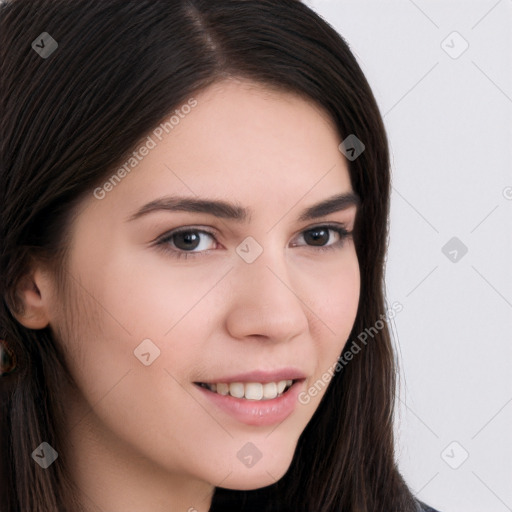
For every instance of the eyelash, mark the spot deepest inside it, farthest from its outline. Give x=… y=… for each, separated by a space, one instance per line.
x=163 y=242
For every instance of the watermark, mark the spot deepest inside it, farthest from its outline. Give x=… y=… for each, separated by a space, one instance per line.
x=455 y=455
x=249 y=455
x=454 y=249
x=351 y=147
x=347 y=356
x=249 y=249
x=454 y=45
x=44 y=45
x=174 y=120
x=507 y=193
x=45 y=455
x=146 y=352
x=150 y=143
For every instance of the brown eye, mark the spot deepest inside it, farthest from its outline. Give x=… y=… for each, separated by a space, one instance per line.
x=185 y=242
x=317 y=236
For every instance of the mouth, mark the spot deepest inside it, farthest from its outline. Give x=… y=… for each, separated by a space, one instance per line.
x=256 y=399
x=255 y=391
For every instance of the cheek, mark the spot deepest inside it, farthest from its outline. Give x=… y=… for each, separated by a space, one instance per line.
x=335 y=308
x=335 y=289
x=335 y=305
x=118 y=307
x=150 y=294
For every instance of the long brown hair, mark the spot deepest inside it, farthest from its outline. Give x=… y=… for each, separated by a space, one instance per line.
x=70 y=118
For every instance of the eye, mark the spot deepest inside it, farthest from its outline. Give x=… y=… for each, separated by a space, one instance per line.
x=319 y=235
x=187 y=242
x=183 y=241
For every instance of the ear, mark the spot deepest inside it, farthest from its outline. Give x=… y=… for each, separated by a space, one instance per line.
x=34 y=293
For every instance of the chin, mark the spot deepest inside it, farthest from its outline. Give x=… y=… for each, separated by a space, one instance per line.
x=261 y=474
x=244 y=481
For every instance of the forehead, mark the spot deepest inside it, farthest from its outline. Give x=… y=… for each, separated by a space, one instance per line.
x=240 y=132
x=243 y=142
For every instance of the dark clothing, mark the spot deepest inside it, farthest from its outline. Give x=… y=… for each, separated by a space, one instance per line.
x=224 y=502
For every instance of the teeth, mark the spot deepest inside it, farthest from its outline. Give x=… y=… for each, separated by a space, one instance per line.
x=222 y=389
x=236 y=389
x=254 y=391
x=251 y=390
x=269 y=390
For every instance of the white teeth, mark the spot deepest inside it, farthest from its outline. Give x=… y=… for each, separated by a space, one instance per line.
x=281 y=385
x=254 y=391
x=269 y=390
x=251 y=390
x=236 y=389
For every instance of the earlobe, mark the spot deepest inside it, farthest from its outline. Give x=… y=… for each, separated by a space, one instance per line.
x=33 y=292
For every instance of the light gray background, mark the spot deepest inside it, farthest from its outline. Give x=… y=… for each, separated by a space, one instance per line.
x=449 y=121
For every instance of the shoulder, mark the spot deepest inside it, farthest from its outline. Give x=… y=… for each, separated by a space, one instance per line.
x=423 y=507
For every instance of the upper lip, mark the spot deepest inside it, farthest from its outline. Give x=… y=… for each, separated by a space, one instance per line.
x=262 y=376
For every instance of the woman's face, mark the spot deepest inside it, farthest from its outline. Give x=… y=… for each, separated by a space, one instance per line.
x=249 y=300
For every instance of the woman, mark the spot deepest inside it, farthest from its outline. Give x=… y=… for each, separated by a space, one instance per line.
x=195 y=203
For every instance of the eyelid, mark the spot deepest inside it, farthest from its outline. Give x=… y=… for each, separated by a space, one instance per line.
x=185 y=229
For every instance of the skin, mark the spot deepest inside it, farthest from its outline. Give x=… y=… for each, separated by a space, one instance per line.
x=144 y=437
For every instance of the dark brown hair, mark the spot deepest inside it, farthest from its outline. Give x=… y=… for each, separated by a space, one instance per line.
x=69 y=119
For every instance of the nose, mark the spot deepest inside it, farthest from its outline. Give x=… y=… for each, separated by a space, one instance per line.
x=265 y=301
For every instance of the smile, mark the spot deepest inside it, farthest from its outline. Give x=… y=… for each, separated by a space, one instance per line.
x=250 y=390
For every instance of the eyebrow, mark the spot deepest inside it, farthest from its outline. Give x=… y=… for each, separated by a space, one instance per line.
x=235 y=212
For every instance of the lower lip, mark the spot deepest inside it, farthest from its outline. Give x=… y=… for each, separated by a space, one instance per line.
x=257 y=412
